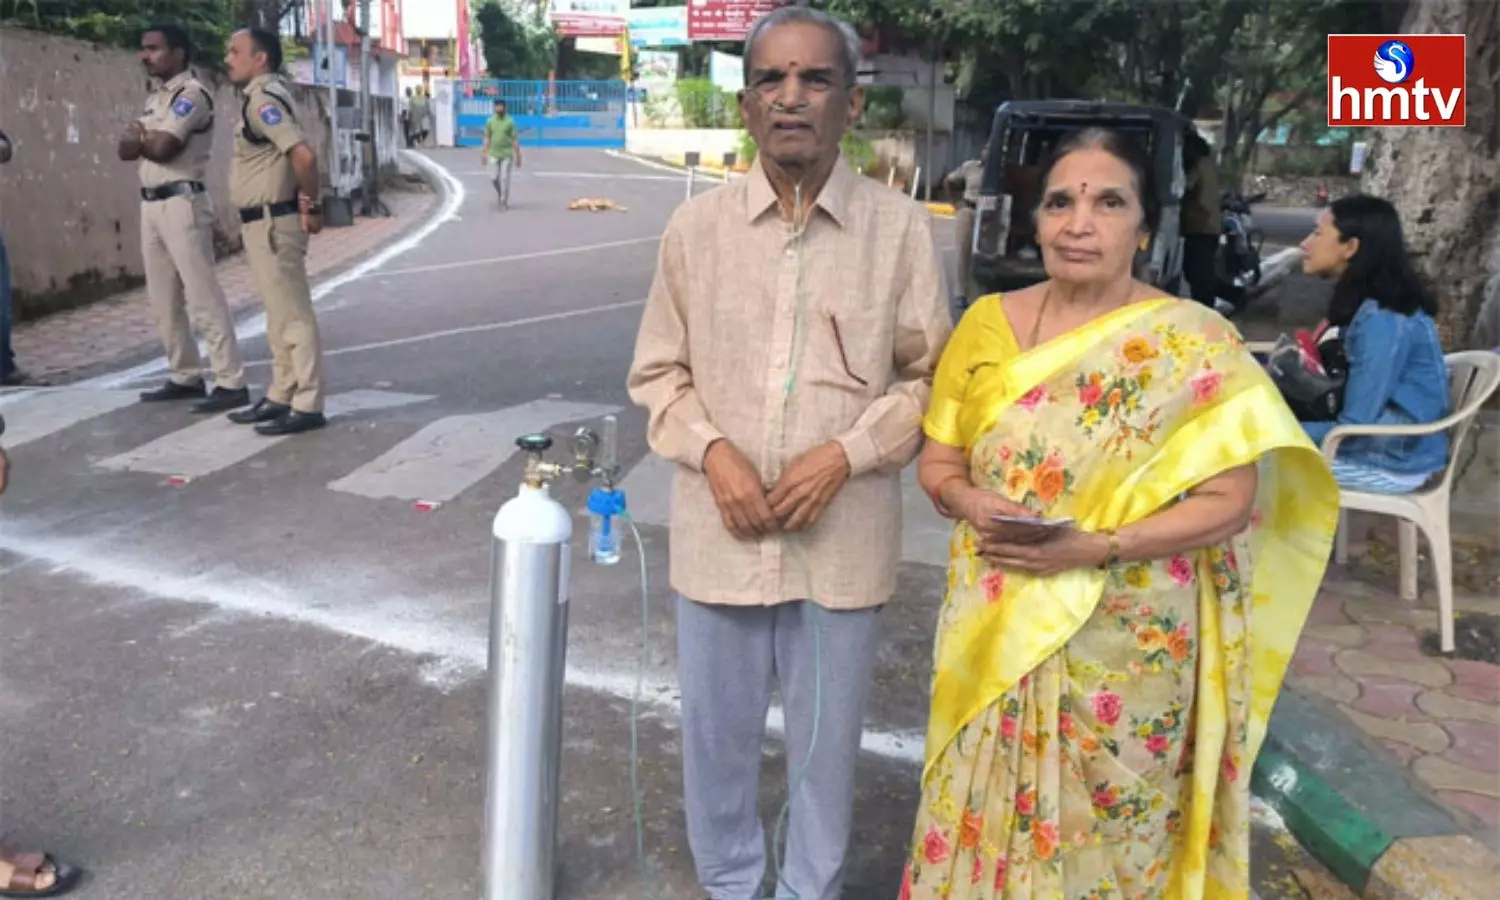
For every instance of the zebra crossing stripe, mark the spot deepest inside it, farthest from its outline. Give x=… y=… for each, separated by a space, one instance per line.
x=924 y=534
x=648 y=490
x=34 y=415
x=450 y=455
x=217 y=443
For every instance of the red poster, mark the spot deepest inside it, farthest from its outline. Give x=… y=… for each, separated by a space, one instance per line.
x=725 y=20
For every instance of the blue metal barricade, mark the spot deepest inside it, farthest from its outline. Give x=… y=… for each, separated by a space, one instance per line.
x=549 y=114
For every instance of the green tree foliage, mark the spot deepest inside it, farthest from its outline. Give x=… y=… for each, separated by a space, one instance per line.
x=119 y=22
x=515 y=47
x=1252 y=61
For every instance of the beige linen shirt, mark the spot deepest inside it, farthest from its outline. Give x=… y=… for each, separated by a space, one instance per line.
x=726 y=350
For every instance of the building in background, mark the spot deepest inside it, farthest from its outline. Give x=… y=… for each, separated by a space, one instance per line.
x=386 y=44
x=438 y=43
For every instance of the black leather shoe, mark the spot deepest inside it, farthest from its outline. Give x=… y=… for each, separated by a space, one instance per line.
x=222 y=400
x=264 y=411
x=174 y=391
x=293 y=422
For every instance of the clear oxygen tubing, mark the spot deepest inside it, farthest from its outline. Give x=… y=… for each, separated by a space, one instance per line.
x=799 y=340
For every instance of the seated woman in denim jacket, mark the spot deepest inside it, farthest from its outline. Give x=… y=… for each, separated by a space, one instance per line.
x=1397 y=375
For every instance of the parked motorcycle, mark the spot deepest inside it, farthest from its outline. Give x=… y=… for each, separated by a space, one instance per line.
x=1238 y=260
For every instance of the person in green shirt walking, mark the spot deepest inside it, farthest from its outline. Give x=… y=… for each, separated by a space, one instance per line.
x=502 y=148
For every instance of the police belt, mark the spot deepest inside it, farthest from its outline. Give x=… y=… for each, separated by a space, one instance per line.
x=274 y=210
x=171 y=189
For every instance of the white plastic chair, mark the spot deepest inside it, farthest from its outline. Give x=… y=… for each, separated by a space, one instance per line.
x=1473 y=377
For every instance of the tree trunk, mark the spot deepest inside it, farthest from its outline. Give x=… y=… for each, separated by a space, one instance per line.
x=1446 y=181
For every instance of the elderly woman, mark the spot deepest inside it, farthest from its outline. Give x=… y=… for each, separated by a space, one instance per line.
x=1127 y=485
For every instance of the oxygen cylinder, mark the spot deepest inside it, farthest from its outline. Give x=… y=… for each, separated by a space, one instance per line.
x=527 y=657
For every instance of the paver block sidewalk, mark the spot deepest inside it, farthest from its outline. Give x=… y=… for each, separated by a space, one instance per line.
x=1384 y=754
x=52 y=347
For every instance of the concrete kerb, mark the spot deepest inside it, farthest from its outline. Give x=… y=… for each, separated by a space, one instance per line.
x=1367 y=819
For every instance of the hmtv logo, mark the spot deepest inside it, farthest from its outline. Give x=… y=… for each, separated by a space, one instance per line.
x=1396 y=80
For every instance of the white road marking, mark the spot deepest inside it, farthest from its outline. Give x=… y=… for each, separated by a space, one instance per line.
x=202 y=449
x=681 y=173
x=469 y=329
x=256 y=325
x=648 y=490
x=583 y=176
x=520 y=257
x=406 y=624
x=924 y=534
x=34 y=415
x=450 y=455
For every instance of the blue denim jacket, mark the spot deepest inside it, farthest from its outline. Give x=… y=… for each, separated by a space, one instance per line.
x=1397 y=376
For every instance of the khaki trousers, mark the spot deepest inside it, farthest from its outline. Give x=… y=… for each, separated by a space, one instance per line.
x=277 y=251
x=177 y=247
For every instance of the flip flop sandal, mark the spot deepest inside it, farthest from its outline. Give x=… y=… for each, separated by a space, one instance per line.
x=28 y=869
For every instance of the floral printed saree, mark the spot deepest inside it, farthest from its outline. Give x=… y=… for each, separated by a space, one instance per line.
x=1092 y=732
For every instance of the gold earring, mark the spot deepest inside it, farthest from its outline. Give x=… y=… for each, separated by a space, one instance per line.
x=1145 y=242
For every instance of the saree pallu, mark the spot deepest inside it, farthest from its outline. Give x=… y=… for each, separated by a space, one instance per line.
x=1092 y=732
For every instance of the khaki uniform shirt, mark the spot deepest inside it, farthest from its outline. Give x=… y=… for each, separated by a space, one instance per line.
x=262 y=174
x=1202 y=211
x=183 y=108
x=727 y=350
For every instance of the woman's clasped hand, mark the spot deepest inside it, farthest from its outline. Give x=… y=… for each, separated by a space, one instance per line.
x=1030 y=549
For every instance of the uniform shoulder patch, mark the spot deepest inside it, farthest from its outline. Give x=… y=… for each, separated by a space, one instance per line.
x=183 y=107
x=269 y=113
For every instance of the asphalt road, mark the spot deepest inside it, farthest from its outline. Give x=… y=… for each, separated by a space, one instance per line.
x=235 y=667
x=1285 y=225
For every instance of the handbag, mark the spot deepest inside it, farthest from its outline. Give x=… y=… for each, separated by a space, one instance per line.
x=1311 y=373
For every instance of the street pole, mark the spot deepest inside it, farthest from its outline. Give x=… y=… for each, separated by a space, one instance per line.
x=367 y=110
x=931 y=117
x=333 y=100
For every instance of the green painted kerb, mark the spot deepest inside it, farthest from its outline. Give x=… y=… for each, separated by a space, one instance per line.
x=1336 y=833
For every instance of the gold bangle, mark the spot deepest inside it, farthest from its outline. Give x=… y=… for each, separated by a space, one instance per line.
x=1113 y=556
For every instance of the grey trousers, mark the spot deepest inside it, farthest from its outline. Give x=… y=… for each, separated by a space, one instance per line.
x=499 y=171
x=728 y=658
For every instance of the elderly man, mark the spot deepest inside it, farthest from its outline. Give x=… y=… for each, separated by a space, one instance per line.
x=785 y=357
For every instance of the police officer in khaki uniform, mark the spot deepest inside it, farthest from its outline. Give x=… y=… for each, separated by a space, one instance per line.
x=274 y=183
x=172 y=142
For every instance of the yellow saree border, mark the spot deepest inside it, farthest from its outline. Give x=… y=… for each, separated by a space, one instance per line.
x=984 y=657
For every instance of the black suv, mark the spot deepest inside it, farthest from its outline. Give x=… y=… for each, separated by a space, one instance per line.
x=1006 y=256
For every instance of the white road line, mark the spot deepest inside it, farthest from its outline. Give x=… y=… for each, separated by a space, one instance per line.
x=519 y=257
x=450 y=455
x=648 y=490
x=468 y=329
x=582 y=176
x=202 y=449
x=681 y=173
x=256 y=325
x=924 y=534
x=401 y=623
x=31 y=416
